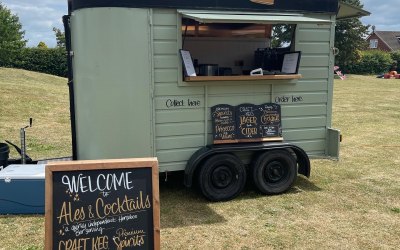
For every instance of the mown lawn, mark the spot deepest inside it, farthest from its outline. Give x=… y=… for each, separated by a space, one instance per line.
x=353 y=203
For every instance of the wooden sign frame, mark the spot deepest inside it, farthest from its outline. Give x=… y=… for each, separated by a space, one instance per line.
x=114 y=164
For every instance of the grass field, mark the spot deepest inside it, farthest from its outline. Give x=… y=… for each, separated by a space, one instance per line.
x=353 y=203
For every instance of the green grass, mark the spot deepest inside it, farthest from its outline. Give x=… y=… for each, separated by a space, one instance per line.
x=353 y=203
x=25 y=94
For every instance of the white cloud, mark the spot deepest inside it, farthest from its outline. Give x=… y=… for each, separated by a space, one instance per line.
x=38 y=17
x=384 y=15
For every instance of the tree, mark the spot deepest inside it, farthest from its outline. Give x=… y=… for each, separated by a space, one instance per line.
x=282 y=35
x=11 y=37
x=42 y=45
x=349 y=39
x=60 y=37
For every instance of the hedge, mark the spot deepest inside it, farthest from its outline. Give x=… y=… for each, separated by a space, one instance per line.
x=396 y=57
x=372 y=62
x=46 y=60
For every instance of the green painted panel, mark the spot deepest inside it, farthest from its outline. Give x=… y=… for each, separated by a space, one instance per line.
x=178 y=142
x=172 y=89
x=165 y=75
x=313 y=26
x=309 y=110
x=183 y=115
x=238 y=89
x=112 y=83
x=182 y=128
x=165 y=61
x=316 y=154
x=165 y=32
x=304 y=134
x=314 y=145
x=311 y=60
x=238 y=99
x=179 y=102
x=172 y=166
x=175 y=154
x=314 y=72
x=333 y=143
x=313 y=47
x=164 y=18
x=286 y=98
x=303 y=122
x=312 y=35
x=303 y=86
x=165 y=48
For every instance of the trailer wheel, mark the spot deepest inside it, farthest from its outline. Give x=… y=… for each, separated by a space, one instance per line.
x=222 y=177
x=274 y=171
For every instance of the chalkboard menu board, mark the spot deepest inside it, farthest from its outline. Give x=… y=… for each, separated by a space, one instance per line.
x=246 y=123
x=270 y=120
x=108 y=204
x=223 y=122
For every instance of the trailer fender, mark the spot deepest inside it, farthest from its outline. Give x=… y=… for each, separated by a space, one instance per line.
x=200 y=155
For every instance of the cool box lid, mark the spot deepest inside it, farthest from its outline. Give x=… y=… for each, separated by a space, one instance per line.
x=23 y=172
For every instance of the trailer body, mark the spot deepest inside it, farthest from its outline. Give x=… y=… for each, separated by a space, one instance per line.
x=130 y=99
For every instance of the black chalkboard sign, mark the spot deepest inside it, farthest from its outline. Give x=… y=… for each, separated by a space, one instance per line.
x=223 y=122
x=247 y=121
x=270 y=120
x=110 y=204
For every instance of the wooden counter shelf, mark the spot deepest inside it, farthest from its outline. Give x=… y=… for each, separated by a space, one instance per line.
x=241 y=78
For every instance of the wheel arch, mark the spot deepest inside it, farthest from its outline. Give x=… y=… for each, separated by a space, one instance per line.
x=203 y=153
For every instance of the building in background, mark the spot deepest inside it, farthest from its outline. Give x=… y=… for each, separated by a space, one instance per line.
x=384 y=40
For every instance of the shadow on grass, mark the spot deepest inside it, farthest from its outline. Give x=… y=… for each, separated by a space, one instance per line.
x=181 y=206
x=303 y=184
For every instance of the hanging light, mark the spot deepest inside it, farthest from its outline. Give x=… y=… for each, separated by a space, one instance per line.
x=266 y=2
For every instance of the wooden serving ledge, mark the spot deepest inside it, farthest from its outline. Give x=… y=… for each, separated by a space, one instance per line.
x=241 y=78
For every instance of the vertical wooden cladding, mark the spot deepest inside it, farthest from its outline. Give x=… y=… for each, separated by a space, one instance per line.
x=179 y=123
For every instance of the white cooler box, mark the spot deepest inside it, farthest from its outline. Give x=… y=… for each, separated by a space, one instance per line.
x=22 y=189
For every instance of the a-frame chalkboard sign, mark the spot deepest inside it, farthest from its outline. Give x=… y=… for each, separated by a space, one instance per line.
x=103 y=204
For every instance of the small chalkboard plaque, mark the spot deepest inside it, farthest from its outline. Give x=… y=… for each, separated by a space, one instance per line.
x=107 y=204
x=223 y=122
x=247 y=121
x=270 y=120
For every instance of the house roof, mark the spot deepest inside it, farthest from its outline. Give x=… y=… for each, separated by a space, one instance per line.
x=391 y=38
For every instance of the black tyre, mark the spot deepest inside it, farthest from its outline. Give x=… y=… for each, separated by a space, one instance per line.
x=274 y=172
x=222 y=177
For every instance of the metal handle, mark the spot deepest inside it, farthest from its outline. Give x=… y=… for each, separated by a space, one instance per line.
x=335 y=51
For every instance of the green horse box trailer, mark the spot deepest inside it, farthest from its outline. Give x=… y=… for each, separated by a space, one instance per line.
x=144 y=76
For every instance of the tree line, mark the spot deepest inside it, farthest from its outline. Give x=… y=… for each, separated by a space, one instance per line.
x=349 y=39
x=15 y=54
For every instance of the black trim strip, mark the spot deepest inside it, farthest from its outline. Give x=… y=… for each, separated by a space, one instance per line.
x=319 y=6
x=67 y=29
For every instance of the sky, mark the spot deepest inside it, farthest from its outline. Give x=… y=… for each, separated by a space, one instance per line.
x=38 y=17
